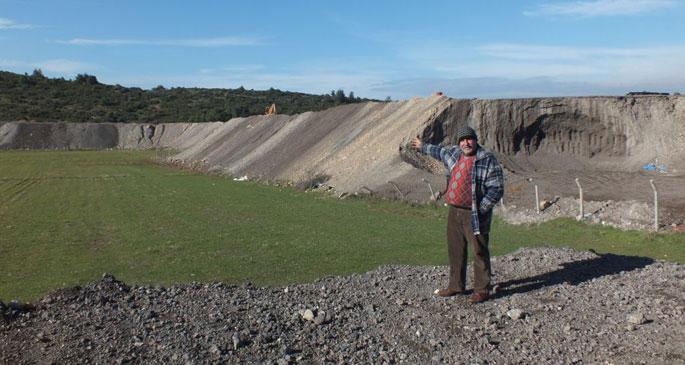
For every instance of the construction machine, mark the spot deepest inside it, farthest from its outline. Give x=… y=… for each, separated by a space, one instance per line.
x=270 y=110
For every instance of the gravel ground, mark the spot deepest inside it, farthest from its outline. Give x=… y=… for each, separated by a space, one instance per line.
x=550 y=306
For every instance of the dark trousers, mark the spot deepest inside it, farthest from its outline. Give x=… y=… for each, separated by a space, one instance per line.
x=459 y=235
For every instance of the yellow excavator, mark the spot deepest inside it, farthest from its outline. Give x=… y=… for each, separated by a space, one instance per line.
x=270 y=110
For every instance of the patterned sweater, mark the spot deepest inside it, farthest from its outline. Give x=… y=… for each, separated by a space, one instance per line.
x=487 y=181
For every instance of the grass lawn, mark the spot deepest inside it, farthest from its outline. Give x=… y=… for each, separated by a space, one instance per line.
x=68 y=217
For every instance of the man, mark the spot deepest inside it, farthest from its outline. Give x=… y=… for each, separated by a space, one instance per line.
x=476 y=184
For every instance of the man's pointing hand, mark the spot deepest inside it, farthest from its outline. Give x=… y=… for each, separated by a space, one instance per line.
x=416 y=144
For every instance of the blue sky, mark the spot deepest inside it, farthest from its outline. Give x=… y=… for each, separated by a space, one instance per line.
x=401 y=49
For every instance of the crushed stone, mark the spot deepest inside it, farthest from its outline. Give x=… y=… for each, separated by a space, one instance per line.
x=551 y=305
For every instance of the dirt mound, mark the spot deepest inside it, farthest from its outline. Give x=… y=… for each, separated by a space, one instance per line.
x=362 y=148
x=22 y=135
x=350 y=147
x=552 y=306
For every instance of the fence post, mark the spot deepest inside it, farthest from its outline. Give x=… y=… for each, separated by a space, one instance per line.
x=397 y=188
x=430 y=188
x=501 y=201
x=537 y=200
x=656 y=206
x=580 y=190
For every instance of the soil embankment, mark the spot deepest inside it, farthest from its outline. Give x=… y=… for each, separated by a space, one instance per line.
x=362 y=148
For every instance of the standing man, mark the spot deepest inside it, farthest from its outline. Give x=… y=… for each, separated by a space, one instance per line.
x=475 y=185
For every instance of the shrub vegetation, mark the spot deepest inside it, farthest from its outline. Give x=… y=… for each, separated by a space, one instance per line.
x=38 y=98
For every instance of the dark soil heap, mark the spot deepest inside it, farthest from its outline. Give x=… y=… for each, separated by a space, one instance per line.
x=551 y=306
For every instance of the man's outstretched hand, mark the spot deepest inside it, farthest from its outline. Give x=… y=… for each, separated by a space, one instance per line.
x=416 y=143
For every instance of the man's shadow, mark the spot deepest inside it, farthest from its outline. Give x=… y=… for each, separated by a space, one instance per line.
x=574 y=273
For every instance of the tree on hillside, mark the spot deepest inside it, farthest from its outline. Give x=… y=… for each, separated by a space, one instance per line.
x=84 y=99
x=38 y=73
x=339 y=97
x=86 y=79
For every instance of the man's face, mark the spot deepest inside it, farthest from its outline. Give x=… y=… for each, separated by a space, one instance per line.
x=468 y=146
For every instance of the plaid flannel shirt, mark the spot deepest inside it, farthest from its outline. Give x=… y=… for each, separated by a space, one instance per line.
x=487 y=181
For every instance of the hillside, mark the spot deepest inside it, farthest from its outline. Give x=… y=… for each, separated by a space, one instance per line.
x=84 y=99
x=604 y=142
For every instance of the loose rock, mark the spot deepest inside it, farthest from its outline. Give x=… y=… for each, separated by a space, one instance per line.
x=308 y=315
x=580 y=305
x=516 y=314
x=636 y=318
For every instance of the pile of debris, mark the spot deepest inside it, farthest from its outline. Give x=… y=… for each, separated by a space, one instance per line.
x=550 y=306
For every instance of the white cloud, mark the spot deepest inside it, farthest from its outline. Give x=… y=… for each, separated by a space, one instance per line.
x=5 y=63
x=243 y=68
x=518 y=69
x=600 y=8
x=525 y=52
x=196 y=42
x=491 y=70
x=508 y=70
x=312 y=81
x=56 y=67
x=64 y=67
x=235 y=69
x=492 y=87
x=519 y=61
x=502 y=87
x=11 y=24
x=316 y=76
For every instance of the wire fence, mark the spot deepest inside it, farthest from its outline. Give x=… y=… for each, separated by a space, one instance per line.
x=581 y=213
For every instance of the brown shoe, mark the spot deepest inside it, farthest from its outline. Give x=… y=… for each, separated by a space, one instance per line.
x=447 y=292
x=478 y=297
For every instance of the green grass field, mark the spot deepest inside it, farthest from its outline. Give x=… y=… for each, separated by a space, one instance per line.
x=68 y=217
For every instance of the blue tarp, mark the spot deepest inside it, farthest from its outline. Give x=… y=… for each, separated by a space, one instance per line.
x=654 y=167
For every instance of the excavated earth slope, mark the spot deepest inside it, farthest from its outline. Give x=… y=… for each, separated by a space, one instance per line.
x=553 y=306
x=362 y=148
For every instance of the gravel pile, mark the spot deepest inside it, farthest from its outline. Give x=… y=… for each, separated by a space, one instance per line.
x=550 y=306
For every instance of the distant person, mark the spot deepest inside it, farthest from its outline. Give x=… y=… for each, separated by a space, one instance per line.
x=476 y=184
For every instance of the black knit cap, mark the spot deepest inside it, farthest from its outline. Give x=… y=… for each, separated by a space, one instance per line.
x=466 y=132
